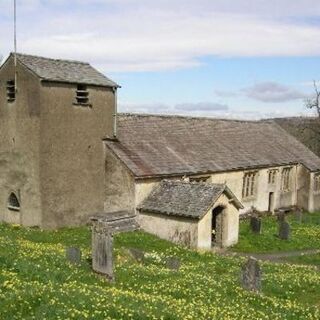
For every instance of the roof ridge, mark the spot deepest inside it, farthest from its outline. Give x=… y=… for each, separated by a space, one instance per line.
x=51 y=59
x=142 y=115
x=192 y=182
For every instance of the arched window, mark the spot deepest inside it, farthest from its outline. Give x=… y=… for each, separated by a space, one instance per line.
x=13 y=202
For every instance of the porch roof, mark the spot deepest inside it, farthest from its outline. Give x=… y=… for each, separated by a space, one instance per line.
x=185 y=199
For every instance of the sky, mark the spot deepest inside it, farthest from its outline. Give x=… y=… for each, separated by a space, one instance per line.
x=245 y=59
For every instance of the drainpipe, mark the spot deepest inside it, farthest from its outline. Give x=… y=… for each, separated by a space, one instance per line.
x=115 y=112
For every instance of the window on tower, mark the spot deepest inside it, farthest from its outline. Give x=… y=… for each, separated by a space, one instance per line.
x=11 y=91
x=82 y=94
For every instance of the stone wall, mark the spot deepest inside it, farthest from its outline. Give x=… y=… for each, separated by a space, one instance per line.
x=298 y=194
x=260 y=201
x=19 y=147
x=119 y=185
x=51 y=150
x=176 y=229
x=72 y=153
x=314 y=197
x=194 y=233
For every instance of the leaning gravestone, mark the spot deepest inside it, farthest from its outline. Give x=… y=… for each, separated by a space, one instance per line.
x=104 y=226
x=284 y=230
x=102 y=250
x=173 y=263
x=73 y=255
x=251 y=275
x=255 y=224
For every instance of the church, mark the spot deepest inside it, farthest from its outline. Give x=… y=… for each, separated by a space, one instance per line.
x=66 y=154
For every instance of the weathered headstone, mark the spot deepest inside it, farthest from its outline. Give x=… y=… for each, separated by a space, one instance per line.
x=281 y=216
x=104 y=226
x=251 y=275
x=73 y=255
x=136 y=254
x=173 y=263
x=102 y=250
x=299 y=216
x=255 y=224
x=284 y=230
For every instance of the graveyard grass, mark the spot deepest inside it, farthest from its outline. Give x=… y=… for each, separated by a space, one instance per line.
x=313 y=259
x=305 y=235
x=36 y=282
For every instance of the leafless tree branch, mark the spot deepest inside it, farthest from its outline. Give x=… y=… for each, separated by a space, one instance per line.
x=314 y=103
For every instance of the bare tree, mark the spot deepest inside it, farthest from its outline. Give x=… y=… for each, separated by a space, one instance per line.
x=306 y=129
x=314 y=103
x=311 y=127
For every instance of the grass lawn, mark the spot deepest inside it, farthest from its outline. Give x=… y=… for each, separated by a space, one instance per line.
x=36 y=282
x=304 y=235
x=306 y=259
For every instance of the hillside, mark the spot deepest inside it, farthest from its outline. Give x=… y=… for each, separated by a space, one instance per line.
x=306 y=130
x=36 y=282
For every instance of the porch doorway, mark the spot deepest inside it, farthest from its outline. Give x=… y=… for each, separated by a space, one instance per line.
x=216 y=226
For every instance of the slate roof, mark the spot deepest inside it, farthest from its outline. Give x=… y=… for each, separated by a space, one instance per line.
x=152 y=145
x=67 y=71
x=185 y=199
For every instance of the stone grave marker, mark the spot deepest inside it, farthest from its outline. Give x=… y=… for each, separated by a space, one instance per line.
x=255 y=224
x=284 y=230
x=102 y=250
x=299 y=216
x=251 y=275
x=173 y=263
x=281 y=216
x=104 y=226
x=136 y=254
x=73 y=255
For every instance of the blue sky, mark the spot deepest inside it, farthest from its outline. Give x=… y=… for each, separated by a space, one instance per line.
x=223 y=58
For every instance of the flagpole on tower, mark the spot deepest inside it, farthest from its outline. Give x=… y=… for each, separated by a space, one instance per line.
x=15 y=43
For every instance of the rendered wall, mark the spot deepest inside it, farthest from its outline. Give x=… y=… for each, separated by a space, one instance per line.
x=176 y=229
x=260 y=201
x=303 y=187
x=72 y=167
x=314 y=196
x=19 y=147
x=119 y=185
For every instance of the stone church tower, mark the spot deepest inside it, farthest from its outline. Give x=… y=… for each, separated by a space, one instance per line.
x=51 y=149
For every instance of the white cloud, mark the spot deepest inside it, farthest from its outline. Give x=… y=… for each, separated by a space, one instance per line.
x=127 y=35
x=273 y=92
x=201 y=106
x=226 y=113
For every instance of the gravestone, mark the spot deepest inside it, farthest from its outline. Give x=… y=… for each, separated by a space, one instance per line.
x=136 y=254
x=173 y=263
x=299 y=216
x=102 y=250
x=73 y=255
x=255 y=224
x=251 y=275
x=281 y=216
x=104 y=226
x=284 y=230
